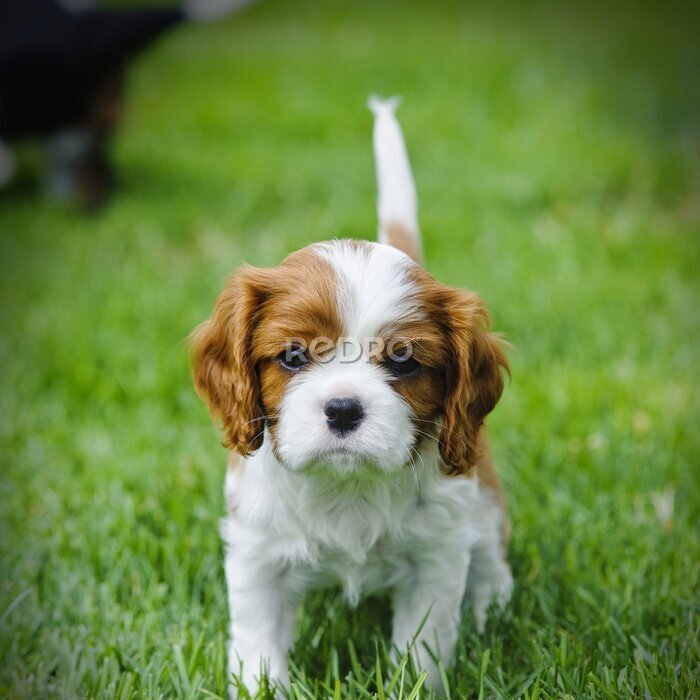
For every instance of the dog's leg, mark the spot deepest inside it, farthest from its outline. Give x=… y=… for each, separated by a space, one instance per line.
x=490 y=580
x=430 y=594
x=262 y=608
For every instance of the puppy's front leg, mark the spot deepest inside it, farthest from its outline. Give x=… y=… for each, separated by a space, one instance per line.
x=262 y=609
x=432 y=591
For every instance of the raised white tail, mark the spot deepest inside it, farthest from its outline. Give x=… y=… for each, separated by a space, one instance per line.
x=397 y=205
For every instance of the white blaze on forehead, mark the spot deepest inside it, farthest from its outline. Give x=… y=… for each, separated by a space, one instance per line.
x=374 y=290
x=374 y=287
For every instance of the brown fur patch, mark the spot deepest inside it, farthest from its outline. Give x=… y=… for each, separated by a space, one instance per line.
x=303 y=307
x=400 y=237
x=471 y=358
x=425 y=391
x=234 y=351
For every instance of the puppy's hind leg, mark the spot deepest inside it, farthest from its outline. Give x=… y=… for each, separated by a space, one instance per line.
x=489 y=580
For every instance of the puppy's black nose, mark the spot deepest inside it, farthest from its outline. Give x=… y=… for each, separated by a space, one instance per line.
x=343 y=415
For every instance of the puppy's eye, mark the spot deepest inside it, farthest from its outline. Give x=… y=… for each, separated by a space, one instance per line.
x=402 y=366
x=292 y=359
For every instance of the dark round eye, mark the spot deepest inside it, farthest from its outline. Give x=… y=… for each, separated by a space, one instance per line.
x=292 y=359
x=402 y=366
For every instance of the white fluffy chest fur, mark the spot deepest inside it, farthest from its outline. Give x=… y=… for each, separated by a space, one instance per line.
x=318 y=529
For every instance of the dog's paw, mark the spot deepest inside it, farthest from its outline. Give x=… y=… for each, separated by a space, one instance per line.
x=484 y=592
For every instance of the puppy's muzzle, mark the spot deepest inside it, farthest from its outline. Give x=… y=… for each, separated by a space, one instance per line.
x=343 y=415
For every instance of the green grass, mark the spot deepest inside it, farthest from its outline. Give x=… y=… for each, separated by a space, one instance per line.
x=557 y=156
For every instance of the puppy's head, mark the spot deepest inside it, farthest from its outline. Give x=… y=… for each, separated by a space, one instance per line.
x=348 y=356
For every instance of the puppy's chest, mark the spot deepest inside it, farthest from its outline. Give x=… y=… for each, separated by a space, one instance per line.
x=383 y=565
x=359 y=555
x=359 y=544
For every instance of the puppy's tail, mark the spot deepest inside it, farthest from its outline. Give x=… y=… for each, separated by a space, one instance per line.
x=397 y=205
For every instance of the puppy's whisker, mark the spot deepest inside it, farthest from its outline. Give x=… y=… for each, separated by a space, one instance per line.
x=412 y=462
x=255 y=420
x=437 y=424
x=430 y=437
x=262 y=432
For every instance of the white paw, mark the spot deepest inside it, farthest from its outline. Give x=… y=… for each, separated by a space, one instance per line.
x=483 y=592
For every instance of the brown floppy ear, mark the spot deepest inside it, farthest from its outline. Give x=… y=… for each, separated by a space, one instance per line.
x=222 y=364
x=474 y=382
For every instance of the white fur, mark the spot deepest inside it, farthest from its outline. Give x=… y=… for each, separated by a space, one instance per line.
x=396 y=191
x=360 y=511
x=412 y=532
x=374 y=287
x=383 y=439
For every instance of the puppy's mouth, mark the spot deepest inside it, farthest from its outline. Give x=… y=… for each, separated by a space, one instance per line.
x=337 y=455
x=339 y=450
x=340 y=459
x=356 y=453
x=346 y=463
x=343 y=455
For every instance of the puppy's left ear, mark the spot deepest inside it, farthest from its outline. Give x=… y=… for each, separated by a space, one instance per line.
x=222 y=361
x=474 y=380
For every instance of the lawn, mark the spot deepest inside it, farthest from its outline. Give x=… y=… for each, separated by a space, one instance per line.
x=557 y=155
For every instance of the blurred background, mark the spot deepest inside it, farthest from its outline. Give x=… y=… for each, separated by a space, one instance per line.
x=556 y=151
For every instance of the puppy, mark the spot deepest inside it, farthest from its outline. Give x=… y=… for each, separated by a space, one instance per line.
x=352 y=389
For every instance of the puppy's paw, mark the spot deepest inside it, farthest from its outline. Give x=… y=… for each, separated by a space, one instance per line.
x=496 y=589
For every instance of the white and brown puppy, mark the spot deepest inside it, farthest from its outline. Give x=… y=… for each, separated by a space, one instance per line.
x=352 y=388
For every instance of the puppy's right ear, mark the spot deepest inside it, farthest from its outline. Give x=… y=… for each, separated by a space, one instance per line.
x=224 y=370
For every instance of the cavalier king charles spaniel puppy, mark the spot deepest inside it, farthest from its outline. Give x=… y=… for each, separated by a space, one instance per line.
x=352 y=389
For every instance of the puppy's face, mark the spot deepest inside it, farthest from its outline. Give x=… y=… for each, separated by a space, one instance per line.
x=349 y=356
